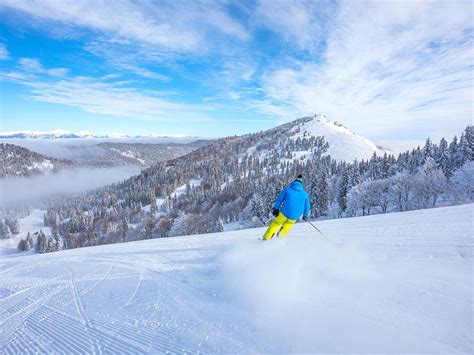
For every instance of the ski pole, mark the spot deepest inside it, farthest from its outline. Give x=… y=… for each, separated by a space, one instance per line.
x=268 y=220
x=312 y=225
x=265 y=222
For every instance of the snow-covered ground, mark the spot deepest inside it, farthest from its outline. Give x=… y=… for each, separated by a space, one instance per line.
x=344 y=145
x=159 y=205
x=182 y=189
x=387 y=284
x=31 y=224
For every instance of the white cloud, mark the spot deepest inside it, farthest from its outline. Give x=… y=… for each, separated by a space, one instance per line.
x=4 y=55
x=138 y=37
x=32 y=65
x=172 y=25
x=302 y=22
x=400 y=67
x=107 y=95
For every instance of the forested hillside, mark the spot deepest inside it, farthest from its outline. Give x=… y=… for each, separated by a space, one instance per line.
x=19 y=161
x=145 y=154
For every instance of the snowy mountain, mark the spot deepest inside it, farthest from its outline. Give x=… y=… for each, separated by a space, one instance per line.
x=64 y=134
x=19 y=161
x=56 y=134
x=344 y=145
x=372 y=285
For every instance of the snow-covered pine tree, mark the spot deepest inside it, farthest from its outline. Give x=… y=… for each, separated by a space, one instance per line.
x=258 y=208
x=28 y=242
x=428 y=150
x=22 y=245
x=41 y=243
x=385 y=167
x=220 y=225
x=463 y=183
x=13 y=224
x=124 y=229
x=56 y=241
x=453 y=149
x=443 y=158
x=342 y=191
x=5 y=232
x=469 y=137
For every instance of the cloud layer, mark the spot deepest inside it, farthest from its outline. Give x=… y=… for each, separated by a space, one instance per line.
x=17 y=190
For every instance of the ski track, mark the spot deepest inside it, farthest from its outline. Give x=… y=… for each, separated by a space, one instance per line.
x=405 y=277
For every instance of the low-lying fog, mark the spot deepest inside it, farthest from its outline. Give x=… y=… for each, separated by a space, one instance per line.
x=22 y=189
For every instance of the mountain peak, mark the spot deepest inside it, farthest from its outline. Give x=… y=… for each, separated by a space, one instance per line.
x=343 y=143
x=321 y=117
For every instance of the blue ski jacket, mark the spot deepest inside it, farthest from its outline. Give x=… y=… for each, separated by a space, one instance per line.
x=293 y=201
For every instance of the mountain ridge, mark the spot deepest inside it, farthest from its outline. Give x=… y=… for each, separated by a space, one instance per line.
x=344 y=144
x=65 y=134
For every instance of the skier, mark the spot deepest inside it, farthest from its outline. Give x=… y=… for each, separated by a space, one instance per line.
x=291 y=203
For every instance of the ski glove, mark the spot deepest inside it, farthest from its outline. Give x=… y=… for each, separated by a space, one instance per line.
x=306 y=218
x=275 y=212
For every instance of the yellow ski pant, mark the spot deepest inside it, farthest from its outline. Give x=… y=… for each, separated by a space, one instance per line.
x=280 y=223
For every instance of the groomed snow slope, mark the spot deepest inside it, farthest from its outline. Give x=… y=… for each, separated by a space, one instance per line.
x=388 y=283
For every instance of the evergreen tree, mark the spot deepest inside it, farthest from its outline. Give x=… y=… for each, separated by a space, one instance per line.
x=21 y=245
x=428 y=150
x=14 y=226
x=220 y=225
x=342 y=191
x=56 y=243
x=28 y=242
x=41 y=243
x=321 y=207
x=385 y=167
x=5 y=232
x=469 y=138
x=443 y=158
x=453 y=149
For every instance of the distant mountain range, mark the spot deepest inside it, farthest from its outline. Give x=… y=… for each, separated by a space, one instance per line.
x=63 y=134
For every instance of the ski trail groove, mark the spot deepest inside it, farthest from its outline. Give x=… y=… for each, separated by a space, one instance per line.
x=85 y=319
x=137 y=287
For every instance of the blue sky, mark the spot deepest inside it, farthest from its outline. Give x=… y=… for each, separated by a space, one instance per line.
x=395 y=72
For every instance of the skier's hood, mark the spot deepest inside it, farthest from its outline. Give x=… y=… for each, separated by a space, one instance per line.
x=296 y=185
